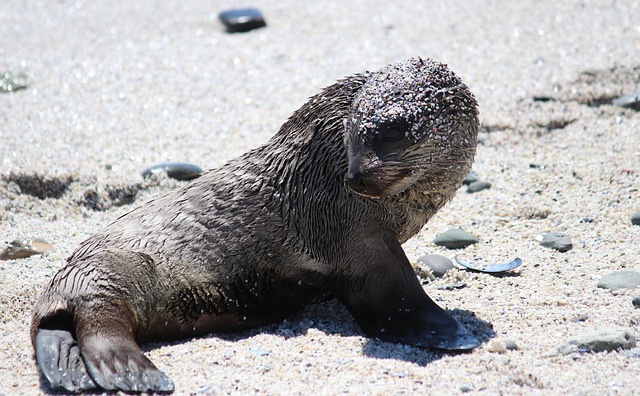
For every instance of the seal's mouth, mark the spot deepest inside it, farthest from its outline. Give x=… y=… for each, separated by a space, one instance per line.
x=378 y=184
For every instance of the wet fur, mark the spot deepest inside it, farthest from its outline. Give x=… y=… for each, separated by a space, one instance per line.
x=255 y=240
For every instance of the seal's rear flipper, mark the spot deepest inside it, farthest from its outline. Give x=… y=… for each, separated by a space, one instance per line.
x=59 y=359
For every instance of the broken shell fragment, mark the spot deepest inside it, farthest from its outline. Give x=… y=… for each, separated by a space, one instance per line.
x=25 y=248
x=490 y=268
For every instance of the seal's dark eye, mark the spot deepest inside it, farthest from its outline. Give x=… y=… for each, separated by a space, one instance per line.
x=393 y=133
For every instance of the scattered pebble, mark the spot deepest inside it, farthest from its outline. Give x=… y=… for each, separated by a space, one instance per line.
x=25 y=248
x=600 y=340
x=620 y=280
x=472 y=177
x=453 y=286
x=465 y=389
x=242 y=20
x=586 y=220
x=10 y=82
x=635 y=218
x=558 y=241
x=438 y=264
x=537 y=166
x=175 y=170
x=510 y=344
x=636 y=301
x=631 y=101
x=455 y=238
x=478 y=186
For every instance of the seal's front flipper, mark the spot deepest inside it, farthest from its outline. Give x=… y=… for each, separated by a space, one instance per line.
x=388 y=302
x=59 y=359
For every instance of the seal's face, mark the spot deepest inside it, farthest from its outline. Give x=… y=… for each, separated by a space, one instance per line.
x=413 y=121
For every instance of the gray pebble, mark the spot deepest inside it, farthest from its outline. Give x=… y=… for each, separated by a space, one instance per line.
x=558 y=241
x=600 y=340
x=636 y=301
x=620 y=280
x=472 y=177
x=438 y=264
x=175 y=170
x=631 y=101
x=635 y=218
x=478 y=186
x=242 y=20
x=510 y=344
x=455 y=238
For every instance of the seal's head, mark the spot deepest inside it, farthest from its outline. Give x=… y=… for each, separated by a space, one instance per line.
x=412 y=121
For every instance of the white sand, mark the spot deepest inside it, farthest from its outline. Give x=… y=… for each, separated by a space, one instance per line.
x=116 y=87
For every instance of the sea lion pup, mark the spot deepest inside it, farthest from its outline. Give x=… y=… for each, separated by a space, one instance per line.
x=319 y=211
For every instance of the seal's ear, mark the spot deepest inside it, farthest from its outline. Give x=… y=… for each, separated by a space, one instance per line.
x=388 y=302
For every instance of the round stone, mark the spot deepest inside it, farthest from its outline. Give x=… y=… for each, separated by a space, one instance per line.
x=635 y=218
x=478 y=186
x=472 y=177
x=620 y=280
x=438 y=264
x=455 y=238
x=636 y=301
x=558 y=241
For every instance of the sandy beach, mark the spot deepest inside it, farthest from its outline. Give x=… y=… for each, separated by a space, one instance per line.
x=114 y=87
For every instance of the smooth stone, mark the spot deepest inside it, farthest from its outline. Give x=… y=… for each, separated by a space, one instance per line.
x=600 y=340
x=636 y=301
x=175 y=170
x=558 y=241
x=11 y=82
x=242 y=20
x=620 y=280
x=25 y=248
x=630 y=101
x=478 y=186
x=635 y=218
x=438 y=264
x=510 y=344
x=455 y=238
x=472 y=177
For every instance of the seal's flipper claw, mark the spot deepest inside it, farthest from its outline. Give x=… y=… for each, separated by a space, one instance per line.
x=459 y=340
x=59 y=359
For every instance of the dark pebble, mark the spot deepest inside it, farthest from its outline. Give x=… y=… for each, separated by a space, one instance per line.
x=620 y=280
x=175 y=170
x=636 y=301
x=10 y=82
x=478 y=186
x=635 y=218
x=558 y=241
x=453 y=286
x=537 y=166
x=242 y=20
x=586 y=220
x=438 y=264
x=543 y=98
x=455 y=238
x=472 y=177
x=631 y=101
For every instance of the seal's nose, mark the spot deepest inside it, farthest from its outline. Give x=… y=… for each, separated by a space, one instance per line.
x=355 y=181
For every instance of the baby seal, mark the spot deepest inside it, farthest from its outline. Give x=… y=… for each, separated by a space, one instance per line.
x=320 y=211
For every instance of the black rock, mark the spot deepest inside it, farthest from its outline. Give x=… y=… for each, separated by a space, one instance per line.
x=620 y=280
x=558 y=241
x=636 y=301
x=472 y=177
x=438 y=264
x=478 y=186
x=242 y=20
x=635 y=218
x=175 y=170
x=631 y=101
x=455 y=238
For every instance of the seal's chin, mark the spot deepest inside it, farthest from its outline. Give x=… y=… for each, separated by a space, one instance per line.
x=376 y=186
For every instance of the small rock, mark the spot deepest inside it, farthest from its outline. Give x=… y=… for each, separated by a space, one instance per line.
x=586 y=220
x=242 y=20
x=453 y=286
x=620 y=280
x=631 y=101
x=175 y=170
x=496 y=346
x=510 y=344
x=599 y=340
x=635 y=218
x=472 y=177
x=478 y=186
x=25 y=248
x=455 y=238
x=537 y=166
x=558 y=241
x=10 y=82
x=465 y=389
x=636 y=301
x=438 y=264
